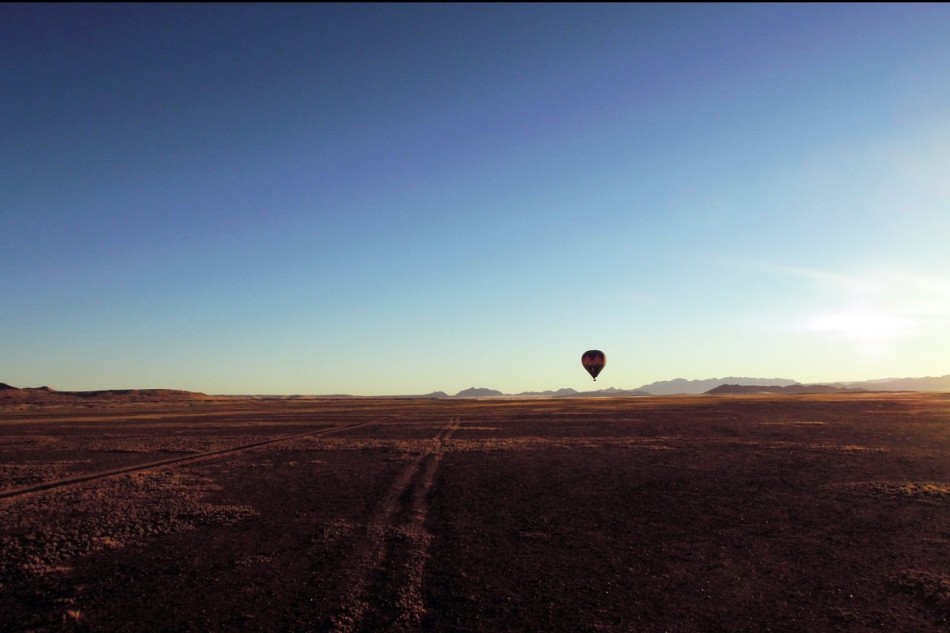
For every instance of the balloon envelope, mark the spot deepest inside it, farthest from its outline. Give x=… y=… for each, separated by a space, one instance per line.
x=593 y=361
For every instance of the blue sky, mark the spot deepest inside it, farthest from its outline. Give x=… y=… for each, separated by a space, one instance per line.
x=374 y=199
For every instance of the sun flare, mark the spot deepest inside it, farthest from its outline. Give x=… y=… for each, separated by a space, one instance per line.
x=863 y=325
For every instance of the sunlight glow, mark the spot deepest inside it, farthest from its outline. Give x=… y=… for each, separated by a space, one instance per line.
x=863 y=325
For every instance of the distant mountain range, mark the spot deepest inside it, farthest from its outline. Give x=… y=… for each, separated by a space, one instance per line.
x=567 y=392
x=927 y=383
x=677 y=386
x=729 y=384
x=790 y=389
x=681 y=385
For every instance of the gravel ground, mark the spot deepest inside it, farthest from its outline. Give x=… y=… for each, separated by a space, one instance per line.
x=730 y=513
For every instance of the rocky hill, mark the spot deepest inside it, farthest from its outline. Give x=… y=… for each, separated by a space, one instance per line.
x=681 y=385
x=773 y=389
x=478 y=392
x=46 y=395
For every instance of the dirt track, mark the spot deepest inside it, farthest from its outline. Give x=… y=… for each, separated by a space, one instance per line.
x=755 y=513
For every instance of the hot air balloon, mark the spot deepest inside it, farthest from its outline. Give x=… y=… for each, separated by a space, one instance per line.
x=593 y=361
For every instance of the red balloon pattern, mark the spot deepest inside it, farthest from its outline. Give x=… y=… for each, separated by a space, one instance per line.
x=593 y=361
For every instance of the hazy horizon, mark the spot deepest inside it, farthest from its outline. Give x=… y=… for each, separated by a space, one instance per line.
x=399 y=199
x=672 y=386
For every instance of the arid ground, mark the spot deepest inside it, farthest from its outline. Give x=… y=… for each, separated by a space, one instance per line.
x=693 y=513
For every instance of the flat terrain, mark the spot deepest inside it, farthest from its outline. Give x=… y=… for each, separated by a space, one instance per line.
x=692 y=513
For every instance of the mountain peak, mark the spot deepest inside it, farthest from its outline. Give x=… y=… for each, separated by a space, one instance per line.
x=478 y=392
x=682 y=385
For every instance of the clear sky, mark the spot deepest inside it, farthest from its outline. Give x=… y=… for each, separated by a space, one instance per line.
x=374 y=199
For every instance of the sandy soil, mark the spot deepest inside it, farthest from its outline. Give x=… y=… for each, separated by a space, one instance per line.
x=728 y=513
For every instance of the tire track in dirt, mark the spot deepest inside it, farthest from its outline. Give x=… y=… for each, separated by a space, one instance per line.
x=174 y=461
x=383 y=590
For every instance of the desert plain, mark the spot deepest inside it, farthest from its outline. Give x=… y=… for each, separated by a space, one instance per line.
x=687 y=513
